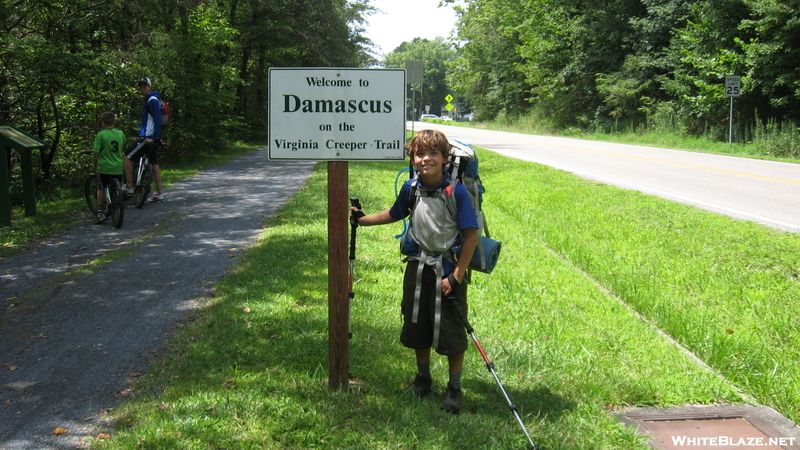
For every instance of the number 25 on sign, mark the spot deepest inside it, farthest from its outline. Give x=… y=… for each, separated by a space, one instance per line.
x=733 y=85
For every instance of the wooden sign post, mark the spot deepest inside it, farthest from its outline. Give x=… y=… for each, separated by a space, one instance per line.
x=337 y=115
x=338 y=289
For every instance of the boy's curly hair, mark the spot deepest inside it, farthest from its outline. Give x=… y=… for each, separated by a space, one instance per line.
x=429 y=139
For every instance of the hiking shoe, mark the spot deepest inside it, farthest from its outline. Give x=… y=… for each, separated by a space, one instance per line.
x=421 y=385
x=157 y=198
x=452 y=399
x=101 y=217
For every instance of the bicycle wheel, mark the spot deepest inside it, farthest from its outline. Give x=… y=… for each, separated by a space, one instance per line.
x=91 y=193
x=144 y=185
x=117 y=204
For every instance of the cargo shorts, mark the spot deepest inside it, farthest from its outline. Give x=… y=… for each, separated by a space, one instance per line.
x=452 y=333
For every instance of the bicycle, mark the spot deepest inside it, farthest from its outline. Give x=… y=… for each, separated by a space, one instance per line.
x=115 y=204
x=143 y=176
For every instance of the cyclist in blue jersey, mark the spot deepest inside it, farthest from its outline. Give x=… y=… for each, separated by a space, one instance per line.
x=149 y=131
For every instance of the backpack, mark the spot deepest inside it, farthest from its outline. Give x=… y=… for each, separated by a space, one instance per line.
x=166 y=113
x=462 y=166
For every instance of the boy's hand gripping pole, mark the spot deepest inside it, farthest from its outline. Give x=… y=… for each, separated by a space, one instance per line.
x=354 y=203
x=490 y=366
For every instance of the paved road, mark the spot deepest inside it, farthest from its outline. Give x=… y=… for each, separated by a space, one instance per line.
x=766 y=192
x=83 y=337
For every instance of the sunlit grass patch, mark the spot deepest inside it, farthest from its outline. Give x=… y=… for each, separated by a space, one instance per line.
x=250 y=371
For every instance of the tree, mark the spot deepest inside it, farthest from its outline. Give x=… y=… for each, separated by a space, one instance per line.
x=486 y=72
x=631 y=92
x=701 y=54
x=66 y=61
x=540 y=54
x=53 y=54
x=435 y=55
x=601 y=62
x=771 y=51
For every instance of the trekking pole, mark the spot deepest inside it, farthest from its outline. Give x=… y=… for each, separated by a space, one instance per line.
x=490 y=366
x=353 y=225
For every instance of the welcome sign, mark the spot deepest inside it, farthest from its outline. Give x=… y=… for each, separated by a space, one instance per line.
x=336 y=114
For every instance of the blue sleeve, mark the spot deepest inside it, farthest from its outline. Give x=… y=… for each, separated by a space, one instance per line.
x=399 y=210
x=466 y=212
x=154 y=108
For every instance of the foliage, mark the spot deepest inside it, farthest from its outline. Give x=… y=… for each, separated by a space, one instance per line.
x=771 y=51
x=67 y=61
x=777 y=139
x=435 y=55
x=486 y=71
x=701 y=55
x=619 y=63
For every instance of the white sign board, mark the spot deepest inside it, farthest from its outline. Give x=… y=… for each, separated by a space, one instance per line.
x=733 y=85
x=337 y=114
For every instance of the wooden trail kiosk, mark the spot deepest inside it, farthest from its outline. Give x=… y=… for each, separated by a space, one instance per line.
x=12 y=137
x=337 y=115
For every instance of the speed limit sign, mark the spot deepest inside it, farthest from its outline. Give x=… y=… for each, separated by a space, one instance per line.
x=733 y=85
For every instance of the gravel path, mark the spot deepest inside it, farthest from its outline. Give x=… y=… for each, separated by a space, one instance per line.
x=71 y=341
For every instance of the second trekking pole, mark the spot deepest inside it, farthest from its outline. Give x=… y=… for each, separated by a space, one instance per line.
x=354 y=203
x=490 y=366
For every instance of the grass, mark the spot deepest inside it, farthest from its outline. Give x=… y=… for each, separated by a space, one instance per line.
x=724 y=288
x=558 y=317
x=561 y=317
x=58 y=208
x=109 y=257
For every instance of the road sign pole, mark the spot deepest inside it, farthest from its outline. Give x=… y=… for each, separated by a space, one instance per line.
x=413 y=108
x=730 y=126
x=733 y=88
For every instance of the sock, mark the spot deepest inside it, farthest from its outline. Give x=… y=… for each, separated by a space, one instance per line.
x=455 y=379
x=424 y=369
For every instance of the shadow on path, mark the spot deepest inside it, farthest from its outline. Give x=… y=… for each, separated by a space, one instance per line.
x=81 y=335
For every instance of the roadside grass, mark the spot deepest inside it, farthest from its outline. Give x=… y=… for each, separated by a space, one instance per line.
x=250 y=370
x=724 y=288
x=59 y=207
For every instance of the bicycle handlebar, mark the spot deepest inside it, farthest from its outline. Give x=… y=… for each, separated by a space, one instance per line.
x=159 y=141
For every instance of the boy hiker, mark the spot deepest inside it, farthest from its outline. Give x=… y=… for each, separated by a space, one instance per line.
x=149 y=131
x=444 y=241
x=107 y=152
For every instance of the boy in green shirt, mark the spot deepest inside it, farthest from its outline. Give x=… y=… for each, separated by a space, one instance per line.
x=107 y=149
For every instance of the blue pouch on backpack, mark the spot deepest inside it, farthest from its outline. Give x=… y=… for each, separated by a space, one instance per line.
x=408 y=247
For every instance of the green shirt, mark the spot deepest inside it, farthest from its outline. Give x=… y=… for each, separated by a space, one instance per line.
x=109 y=144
